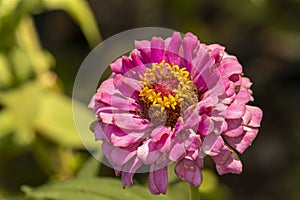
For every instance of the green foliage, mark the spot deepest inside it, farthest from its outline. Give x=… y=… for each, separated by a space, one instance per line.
x=89 y=169
x=89 y=188
x=35 y=114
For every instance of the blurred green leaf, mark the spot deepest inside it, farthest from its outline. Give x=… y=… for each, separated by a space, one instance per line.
x=5 y=74
x=23 y=103
x=89 y=188
x=89 y=169
x=10 y=19
x=55 y=120
x=210 y=181
x=20 y=64
x=172 y=177
x=211 y=189
x=19 y=197
x=7 y=122
x=80 y=11
x=178 y=191
x=28 y=41
x=7 y=6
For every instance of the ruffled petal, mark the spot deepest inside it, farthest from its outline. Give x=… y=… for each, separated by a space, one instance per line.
x=148 y=153
x=177 y=152
x=158 y=180
x=120 y=138
x=189 y=171
x=235 y=127
x=127 y=86
x=157 y=50
x=228 y=162
x=172 y=52
x=127 y=121
x=127 y=179
x=117 y=66
x=256 y=116
x=212 y=145
x=235 y=110
x=120 y=156
x=242 y=142
x=230 y=66
x=144 y=47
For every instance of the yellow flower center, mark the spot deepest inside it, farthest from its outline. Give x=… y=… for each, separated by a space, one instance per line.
x=167 y=91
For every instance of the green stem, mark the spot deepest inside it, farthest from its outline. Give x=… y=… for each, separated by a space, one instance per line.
x=194 y=193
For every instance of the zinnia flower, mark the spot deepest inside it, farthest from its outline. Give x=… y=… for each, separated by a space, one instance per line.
x=175 y=100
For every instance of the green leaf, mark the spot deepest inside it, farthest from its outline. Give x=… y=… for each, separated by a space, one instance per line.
x=21 y=65
x=178 y=191
x=91 y=189
x=55 y=120
x=81 y=13
x=28 y=41
x=23 y=103
x=19 y=197
x=89 y=169
x=11 y=18
x=5 y=74
x=7 y=122
x=210 y=181
x=7 y=6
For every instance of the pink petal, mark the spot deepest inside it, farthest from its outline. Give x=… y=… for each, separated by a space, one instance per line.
x=175 y=43
x=143 y=47
x=202 y=65
x=235 y=110
x=127 y=121
x=212 y=144
x=147 y=152
x=121 y=139
x=173 y=49
x=243 y=95
x=127 y=64
x=120 y=156
x=217 y=54
x=230 y=66
x=189 y=44
x=107 y=86
x=127 y=179
x=189 y=171
x=139 y=67
x=192 y=118
x=117 y=66
x=246 y=83
x=228 y=162
x=132 y=165
x=99 y=132
x=158 y=132
x=256 y=116
x=158 y=181
x=157 y=49
x=128 y=171
x=177 y=152
x=127 y=86
x=242 y=142
x=205 y=125
x=230 y=90
x=235 y=127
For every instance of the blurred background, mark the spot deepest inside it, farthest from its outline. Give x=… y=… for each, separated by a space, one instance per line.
x=43 y=43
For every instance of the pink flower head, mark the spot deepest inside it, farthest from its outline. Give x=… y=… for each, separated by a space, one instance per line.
x=175 y=100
